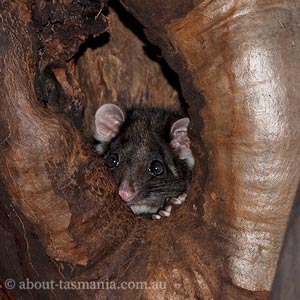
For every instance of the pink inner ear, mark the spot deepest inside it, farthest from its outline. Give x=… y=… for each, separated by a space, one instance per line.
x=108 y=119
x=180 y=140
x=180 y=125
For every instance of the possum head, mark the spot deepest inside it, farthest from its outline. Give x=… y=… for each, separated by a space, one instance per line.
x=148 y=152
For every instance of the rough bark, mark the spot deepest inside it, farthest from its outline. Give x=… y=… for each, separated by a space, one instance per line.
x=59 y=215
x=121 y=71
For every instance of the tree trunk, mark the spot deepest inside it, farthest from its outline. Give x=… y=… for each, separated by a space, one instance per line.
x=231 y=66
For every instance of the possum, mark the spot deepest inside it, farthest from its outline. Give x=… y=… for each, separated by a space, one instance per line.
x=148 y=153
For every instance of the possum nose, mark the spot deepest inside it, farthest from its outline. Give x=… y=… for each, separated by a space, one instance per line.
x=126 y=192
x=127 y=196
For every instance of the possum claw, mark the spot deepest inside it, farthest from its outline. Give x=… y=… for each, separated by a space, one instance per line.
x=178 y=200
x=156 y=217
x=163 y=212
x=166 y=211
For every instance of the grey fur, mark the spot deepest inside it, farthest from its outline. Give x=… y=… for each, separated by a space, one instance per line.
x=144 y=137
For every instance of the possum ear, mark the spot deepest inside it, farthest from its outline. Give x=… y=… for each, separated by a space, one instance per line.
x=108 y=120
x=180 y=141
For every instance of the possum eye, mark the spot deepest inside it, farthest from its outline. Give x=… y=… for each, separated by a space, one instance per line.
x=156 y=168
x=112 y=160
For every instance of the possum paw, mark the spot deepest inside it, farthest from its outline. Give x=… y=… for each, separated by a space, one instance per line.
x=166 y=211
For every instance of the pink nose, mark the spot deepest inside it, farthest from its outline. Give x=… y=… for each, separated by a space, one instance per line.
x=126 y=195
x=126 y=192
